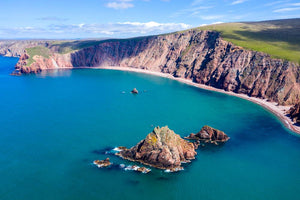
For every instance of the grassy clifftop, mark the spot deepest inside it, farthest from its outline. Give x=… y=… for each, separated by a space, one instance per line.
x=279 y=38
x=37 y=50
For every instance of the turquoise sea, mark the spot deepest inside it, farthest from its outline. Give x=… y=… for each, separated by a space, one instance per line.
x=53 y=125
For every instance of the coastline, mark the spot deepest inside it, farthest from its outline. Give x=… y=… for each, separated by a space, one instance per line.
x=278 y=111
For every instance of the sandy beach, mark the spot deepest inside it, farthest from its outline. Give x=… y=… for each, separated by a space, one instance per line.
x=278 y=111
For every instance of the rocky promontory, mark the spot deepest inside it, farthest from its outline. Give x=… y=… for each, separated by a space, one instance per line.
x=162 y=148
x=209 y=135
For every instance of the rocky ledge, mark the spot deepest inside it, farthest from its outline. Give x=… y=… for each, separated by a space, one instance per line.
x=209 y=135
x=162 y=148
x=294 y=113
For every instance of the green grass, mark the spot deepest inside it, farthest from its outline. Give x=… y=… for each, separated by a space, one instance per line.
x=69 y=46
x=37 y=50
x=278 y=38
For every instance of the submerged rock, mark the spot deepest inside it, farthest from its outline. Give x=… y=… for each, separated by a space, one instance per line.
x=162 y=148
x=102 y=163
x=209 y=135
x=136 y=168
x=134 y=91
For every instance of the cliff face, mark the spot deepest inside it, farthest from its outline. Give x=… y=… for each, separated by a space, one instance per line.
x=294 y=113
x=201 y=56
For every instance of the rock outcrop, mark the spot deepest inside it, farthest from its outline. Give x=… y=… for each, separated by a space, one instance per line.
x=201 y=56
x=294 y=113
x=134 y=91
x=162 y=149
x=209 y=135
x=136 y=168
x=102 y=163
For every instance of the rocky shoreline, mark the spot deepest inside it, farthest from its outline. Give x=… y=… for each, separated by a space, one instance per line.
x=200 y=58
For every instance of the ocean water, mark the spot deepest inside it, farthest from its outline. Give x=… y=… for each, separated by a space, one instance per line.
x=53 y=125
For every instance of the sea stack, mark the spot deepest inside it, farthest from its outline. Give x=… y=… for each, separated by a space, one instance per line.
x=163 y=149
x=134 y=91
x=209 y=135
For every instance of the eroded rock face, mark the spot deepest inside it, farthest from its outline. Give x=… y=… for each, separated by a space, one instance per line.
x=209 y=135
x=294 y=113
x=162 y=148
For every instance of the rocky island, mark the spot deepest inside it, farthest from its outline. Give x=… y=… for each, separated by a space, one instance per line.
x=209 y=135
x=162 y=148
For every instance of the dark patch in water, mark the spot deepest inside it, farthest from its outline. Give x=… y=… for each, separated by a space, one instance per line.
x=162 y=178
x=132 y=182
x=208 y=147
x=102 y=151
x=85 y=160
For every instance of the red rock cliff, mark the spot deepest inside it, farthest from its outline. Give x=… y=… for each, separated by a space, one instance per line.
x=201 y=56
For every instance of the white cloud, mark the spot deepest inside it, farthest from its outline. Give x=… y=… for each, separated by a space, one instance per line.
x=152 y=26
x=120 y=4
x=52 y=18
x=120 y=29
x=274 y=3
x=295 y=4
x=238 y=2
x=286 y=9
x=192 y=11
x=211 y=17
x=196 y=2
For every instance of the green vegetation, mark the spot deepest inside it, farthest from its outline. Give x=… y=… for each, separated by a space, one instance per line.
x=279 y=38
x=38 y=50
x=69 y=46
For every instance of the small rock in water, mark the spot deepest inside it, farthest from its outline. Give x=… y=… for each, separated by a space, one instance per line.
x=134 y=91
x=102 y=163
x=136 y=168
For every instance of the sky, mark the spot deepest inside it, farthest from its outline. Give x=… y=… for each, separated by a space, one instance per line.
x=74 y=19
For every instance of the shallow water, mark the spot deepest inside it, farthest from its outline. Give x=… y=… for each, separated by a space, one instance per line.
x=53 y=125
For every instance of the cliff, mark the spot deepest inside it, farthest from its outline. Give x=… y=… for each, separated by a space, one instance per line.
x=162 y=148
x=201 y=56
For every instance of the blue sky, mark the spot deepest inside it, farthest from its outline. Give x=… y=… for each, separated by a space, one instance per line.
x=129 y=18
